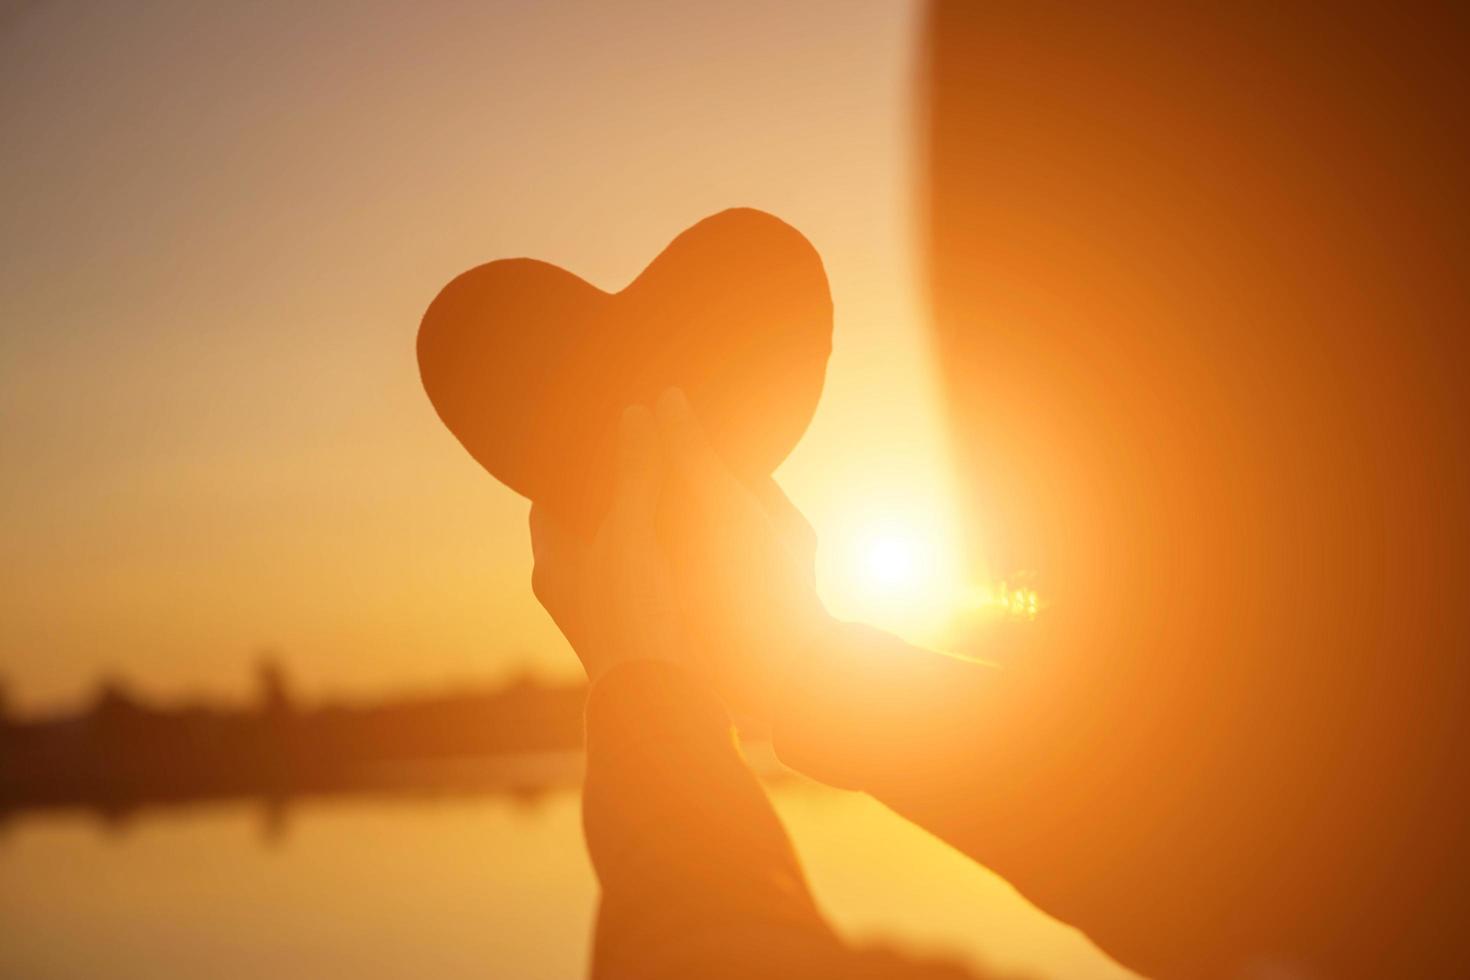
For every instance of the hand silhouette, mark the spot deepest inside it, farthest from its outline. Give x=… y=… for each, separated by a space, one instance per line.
x=612 y=599
x=689 y=565
x=743 y=567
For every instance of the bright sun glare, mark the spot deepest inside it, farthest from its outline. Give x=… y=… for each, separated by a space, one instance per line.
x=906 y=576
x=893 y=563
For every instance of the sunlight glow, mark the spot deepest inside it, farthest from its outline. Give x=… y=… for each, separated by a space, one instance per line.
x=893 y=562
x=897 y=569
x=902 y=573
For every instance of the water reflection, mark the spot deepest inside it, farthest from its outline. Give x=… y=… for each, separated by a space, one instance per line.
x=461 y=875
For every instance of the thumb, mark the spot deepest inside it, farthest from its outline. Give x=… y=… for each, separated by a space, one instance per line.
x=795 y=531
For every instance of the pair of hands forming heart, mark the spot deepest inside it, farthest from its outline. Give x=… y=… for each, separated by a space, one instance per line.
x=532 y=369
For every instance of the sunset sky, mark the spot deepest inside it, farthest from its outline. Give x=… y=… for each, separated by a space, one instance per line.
x=222 y=225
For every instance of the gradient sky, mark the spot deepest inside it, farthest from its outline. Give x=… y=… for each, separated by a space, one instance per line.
x=223 y=222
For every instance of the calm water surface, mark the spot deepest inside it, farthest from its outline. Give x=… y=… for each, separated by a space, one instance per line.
x=447 y=887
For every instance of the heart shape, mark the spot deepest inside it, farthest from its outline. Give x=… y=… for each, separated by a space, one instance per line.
x=531 y=366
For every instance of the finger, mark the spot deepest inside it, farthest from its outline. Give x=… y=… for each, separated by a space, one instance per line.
x=639 y=468
x=557 y=559
x=544 y=532
x=709 y=480
x=795 y=531
x=551 y=539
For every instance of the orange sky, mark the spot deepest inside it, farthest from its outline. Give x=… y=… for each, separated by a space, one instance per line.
x=222 y=227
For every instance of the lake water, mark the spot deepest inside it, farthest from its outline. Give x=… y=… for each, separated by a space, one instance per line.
x=447 y=886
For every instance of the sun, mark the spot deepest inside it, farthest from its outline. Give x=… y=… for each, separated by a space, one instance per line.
x=899 y=569
x=896 y=562
x=899 y=572
x=903 y=572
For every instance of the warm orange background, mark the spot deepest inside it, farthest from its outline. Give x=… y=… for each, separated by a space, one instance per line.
x=223 y=224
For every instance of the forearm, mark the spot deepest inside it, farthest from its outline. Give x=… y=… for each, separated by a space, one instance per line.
x=696 y=870
x=939 y=739
x=1027 y=780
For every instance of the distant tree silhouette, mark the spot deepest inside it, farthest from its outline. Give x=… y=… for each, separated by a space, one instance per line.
x=114 y=701
x=273 y=692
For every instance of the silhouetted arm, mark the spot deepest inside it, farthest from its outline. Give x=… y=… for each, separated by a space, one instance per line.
x=995 y=763
x=698 y=876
